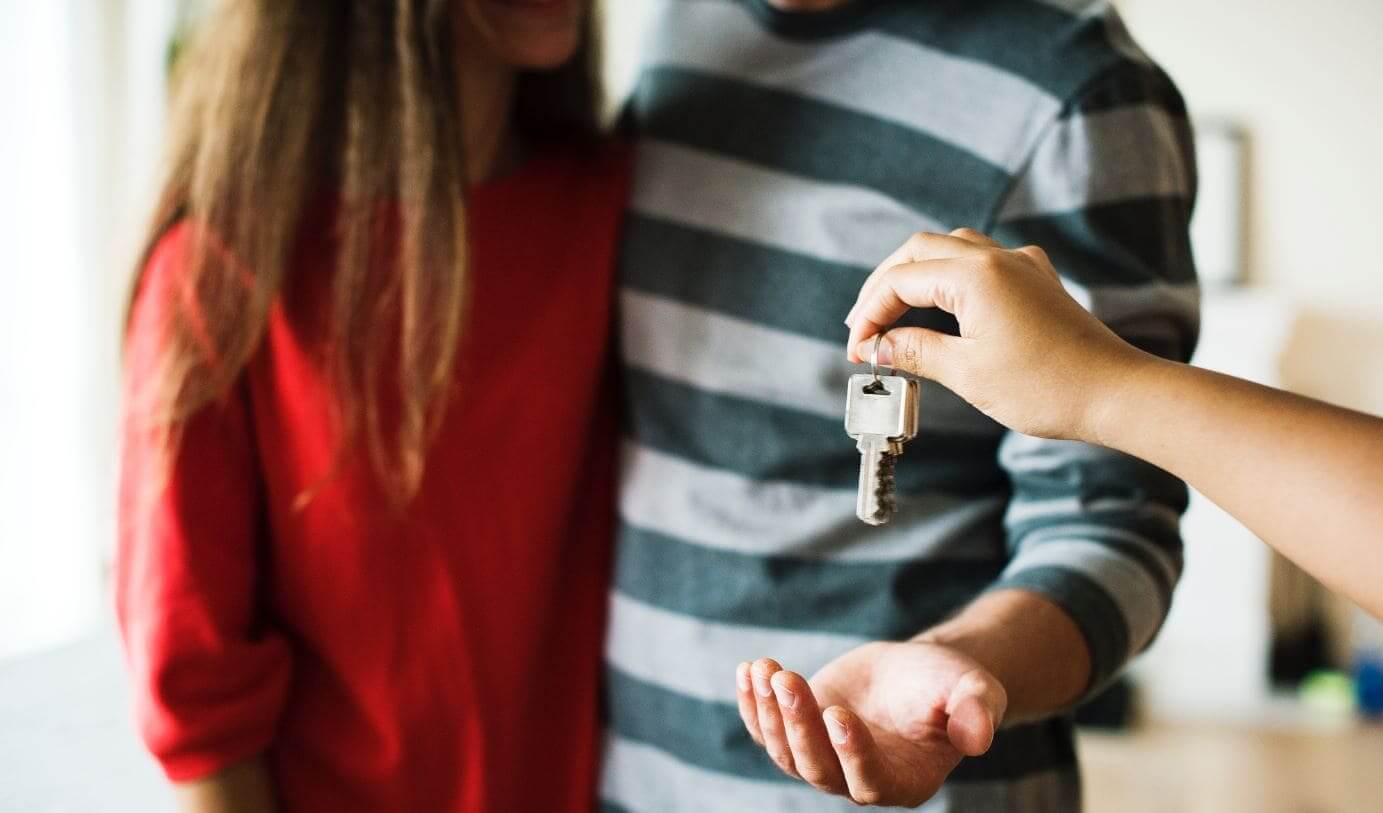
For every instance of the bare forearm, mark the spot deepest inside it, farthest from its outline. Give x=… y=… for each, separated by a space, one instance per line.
x=242 y=788
x=1306 y=477
x=1029 y=643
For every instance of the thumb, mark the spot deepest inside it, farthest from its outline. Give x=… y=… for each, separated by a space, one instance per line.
x=975 y=709
x=915 y=350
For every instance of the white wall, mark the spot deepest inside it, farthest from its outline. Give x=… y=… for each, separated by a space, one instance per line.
x=82 y=86
x=1306 y=80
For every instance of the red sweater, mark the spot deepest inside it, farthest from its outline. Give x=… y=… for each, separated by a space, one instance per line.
x=443 y=659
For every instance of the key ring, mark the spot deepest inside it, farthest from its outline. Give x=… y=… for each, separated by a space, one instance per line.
x=874 y=357
x=875 y=387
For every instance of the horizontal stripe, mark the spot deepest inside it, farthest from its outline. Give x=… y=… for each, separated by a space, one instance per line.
x=841 y=223
x=767 y=285
x=1129 y=243
x=931 y=177
x=723 y=354
x=1023 y=512
x=1079 y=8
x=1107 y=157
x=962 y=101
x=764 y=442
x=647 y=779
x=1140 y=599
x=1052 y=791
x=885 y=600
x=1044 y=469
x=721 y=509
x=1149 y=311
x=712 y=737
x=758 y=281
x=639 y=778
x=1051 y=48
x=1138 y=81
x=1158 y=554
x=784 y=251
x=698 y=658
x=1098 y=617
x=733 y=356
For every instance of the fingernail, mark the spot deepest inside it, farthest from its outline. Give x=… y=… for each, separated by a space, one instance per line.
x=761 y=686
x=785 y=696
x=836 y=729
x=742 y=677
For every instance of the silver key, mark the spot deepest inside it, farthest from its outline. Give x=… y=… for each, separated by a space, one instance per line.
x=881 y=414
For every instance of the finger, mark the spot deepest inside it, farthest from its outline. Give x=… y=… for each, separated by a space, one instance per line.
x=770 y=717
x=917 y=350
x=975 y=709
x=918 y=248
x=749 y=710
x=977 y=237
x=924 y=284
x=866 y=777
x=812 y=754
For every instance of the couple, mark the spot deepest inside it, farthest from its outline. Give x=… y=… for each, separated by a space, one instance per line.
x=369 y=556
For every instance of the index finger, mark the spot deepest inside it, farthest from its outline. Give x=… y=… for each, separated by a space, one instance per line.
x=924 y=246
x=926 y=284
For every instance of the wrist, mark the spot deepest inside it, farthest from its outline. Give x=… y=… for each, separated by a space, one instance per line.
x=1026 y=642
x=1121 y=387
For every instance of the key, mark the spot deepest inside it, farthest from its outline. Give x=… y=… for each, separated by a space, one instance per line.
x=881 y=414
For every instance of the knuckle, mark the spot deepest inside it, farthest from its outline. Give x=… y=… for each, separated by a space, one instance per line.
x=992 y=260
x=868 y=796
x=921 y=238
x=816 y=776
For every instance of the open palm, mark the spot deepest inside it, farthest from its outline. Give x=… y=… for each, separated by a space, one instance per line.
x=897 y=719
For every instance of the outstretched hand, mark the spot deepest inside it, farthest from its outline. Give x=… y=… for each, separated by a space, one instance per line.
x=883 y=724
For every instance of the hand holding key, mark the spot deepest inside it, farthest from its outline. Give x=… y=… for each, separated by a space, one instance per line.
x=1028 y=355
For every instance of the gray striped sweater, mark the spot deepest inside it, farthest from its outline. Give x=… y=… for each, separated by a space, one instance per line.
x=780 y=156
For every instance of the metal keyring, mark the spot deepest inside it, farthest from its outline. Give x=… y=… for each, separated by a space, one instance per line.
x=874 y=357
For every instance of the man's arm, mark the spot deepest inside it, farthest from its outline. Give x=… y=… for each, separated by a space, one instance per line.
x=1093 y=534
x=1107 y=195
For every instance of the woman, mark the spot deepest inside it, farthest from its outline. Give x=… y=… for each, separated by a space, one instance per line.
x=365 y=492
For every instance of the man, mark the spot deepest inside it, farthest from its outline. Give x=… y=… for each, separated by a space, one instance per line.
x=785 y=148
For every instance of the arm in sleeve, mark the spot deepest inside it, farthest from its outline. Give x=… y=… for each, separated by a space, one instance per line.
x=1107 y=192
x=210 y=676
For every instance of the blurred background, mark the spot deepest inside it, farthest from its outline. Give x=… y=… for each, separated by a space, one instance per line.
x=1253 y=698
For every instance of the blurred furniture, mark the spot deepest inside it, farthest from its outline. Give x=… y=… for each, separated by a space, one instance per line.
x=1228 y=769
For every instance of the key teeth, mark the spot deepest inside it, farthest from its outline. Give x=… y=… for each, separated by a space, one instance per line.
x=885 y=495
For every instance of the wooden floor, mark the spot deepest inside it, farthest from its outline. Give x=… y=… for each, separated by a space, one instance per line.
x=1204 y=769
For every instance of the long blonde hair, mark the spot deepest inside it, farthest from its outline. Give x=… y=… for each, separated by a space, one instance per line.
x=279 y=101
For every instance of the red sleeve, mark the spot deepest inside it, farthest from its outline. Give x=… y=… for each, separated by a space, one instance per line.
x=210 y=677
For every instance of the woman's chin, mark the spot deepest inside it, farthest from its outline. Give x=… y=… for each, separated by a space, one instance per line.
x=533 y=34
x=540 y=55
